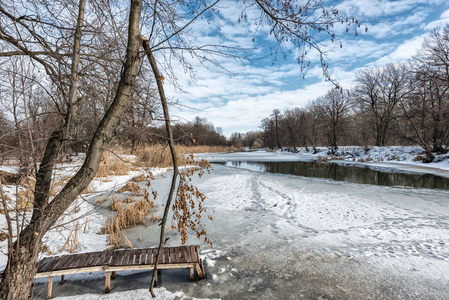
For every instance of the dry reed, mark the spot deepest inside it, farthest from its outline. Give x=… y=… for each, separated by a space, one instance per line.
x=127 y=216
x=129 y=187
x=158 y=155
x=139 y=178
x=72 y=242
x=115 y=204
x=111 y=165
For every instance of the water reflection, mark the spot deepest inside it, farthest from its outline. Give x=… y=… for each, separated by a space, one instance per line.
x=339 y=172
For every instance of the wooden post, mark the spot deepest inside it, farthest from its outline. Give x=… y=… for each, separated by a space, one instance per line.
x=50 y=286
x=108 y=283
x=199 y=271
x=62 y=280
x=192 y=274
x=113 y=274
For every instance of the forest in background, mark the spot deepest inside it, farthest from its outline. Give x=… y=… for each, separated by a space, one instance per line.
x=397 y=104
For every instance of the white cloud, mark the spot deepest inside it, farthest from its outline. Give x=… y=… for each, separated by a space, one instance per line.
x=239 y=99
x=245 y=112
x=402 y=26
x=443 y=21
x=380 y=8
x=404 y=51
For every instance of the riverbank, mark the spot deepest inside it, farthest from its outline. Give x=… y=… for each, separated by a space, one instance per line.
x=288 y=237
x=399 y=158
x=279 y=236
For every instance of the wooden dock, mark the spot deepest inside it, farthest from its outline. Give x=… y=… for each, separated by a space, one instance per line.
x=112 y=261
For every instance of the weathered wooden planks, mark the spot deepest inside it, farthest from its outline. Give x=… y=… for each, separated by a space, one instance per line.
x=128 y=257
x=111 y=261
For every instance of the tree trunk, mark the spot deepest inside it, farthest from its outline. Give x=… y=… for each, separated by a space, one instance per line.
x=18 y=277
x=17 y=283
x=171 y=144
x=429 y=156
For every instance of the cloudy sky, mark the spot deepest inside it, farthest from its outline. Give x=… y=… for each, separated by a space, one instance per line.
x=239 y=95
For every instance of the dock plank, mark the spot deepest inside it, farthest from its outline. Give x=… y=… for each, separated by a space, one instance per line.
x=183 y=258
x=111 y=261
x=171 y=255
x=187 y=250
x=166 y=255
x=144 y=257
x=66 y=264
x=108 y=257
x=89 y=259
x=117 y=258
x=49 y=264
x=78 y=261
x=137 y=257
x=100 y=261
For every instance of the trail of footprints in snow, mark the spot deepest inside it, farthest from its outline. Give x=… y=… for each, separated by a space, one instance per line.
x=260 y=202
x=389 y=225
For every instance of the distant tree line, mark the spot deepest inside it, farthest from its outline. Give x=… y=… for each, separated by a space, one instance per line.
x=190 y=133
x=400 y=104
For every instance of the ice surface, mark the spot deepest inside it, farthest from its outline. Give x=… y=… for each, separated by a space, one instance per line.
x=286 y=237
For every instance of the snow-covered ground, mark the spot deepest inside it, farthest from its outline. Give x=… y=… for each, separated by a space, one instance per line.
x=288 y=237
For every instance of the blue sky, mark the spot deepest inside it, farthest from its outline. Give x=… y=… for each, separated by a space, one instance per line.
x=239 y=96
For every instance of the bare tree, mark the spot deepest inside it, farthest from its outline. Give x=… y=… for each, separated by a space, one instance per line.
x=31 y=29
x=334 y=108
x=431 y=69
x=17 y=280
x=378 y=92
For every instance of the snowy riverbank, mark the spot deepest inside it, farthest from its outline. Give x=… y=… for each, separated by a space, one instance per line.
x=287 y=237
x=393 y=157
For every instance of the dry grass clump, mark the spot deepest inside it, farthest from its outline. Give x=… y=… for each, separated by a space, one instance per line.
x=208 y=149
x=127 y=216
x=139 y=178
x=3 y=236
x=322 y=158
x=154 y=217
x=91 y=188
x=10 y=178
x=111 y=165
x=129 y=187
x=45 y=248
x=24 y=198
x=366 y=159
x=115 y=204
x=158 y=155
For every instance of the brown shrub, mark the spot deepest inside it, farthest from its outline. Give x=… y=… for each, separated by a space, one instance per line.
x=139 y=178
x=129 y=187
x=322 y=158
x=111 y=165
x=127 y=216
x=115 y=204
x=158 y=155
x=10 y=178
x=3 y=236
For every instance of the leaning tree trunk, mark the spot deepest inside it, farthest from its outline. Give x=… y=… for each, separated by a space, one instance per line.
x=23 y=259
x=171 y=144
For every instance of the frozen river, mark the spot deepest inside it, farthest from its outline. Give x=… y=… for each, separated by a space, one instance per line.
x=279 y=236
